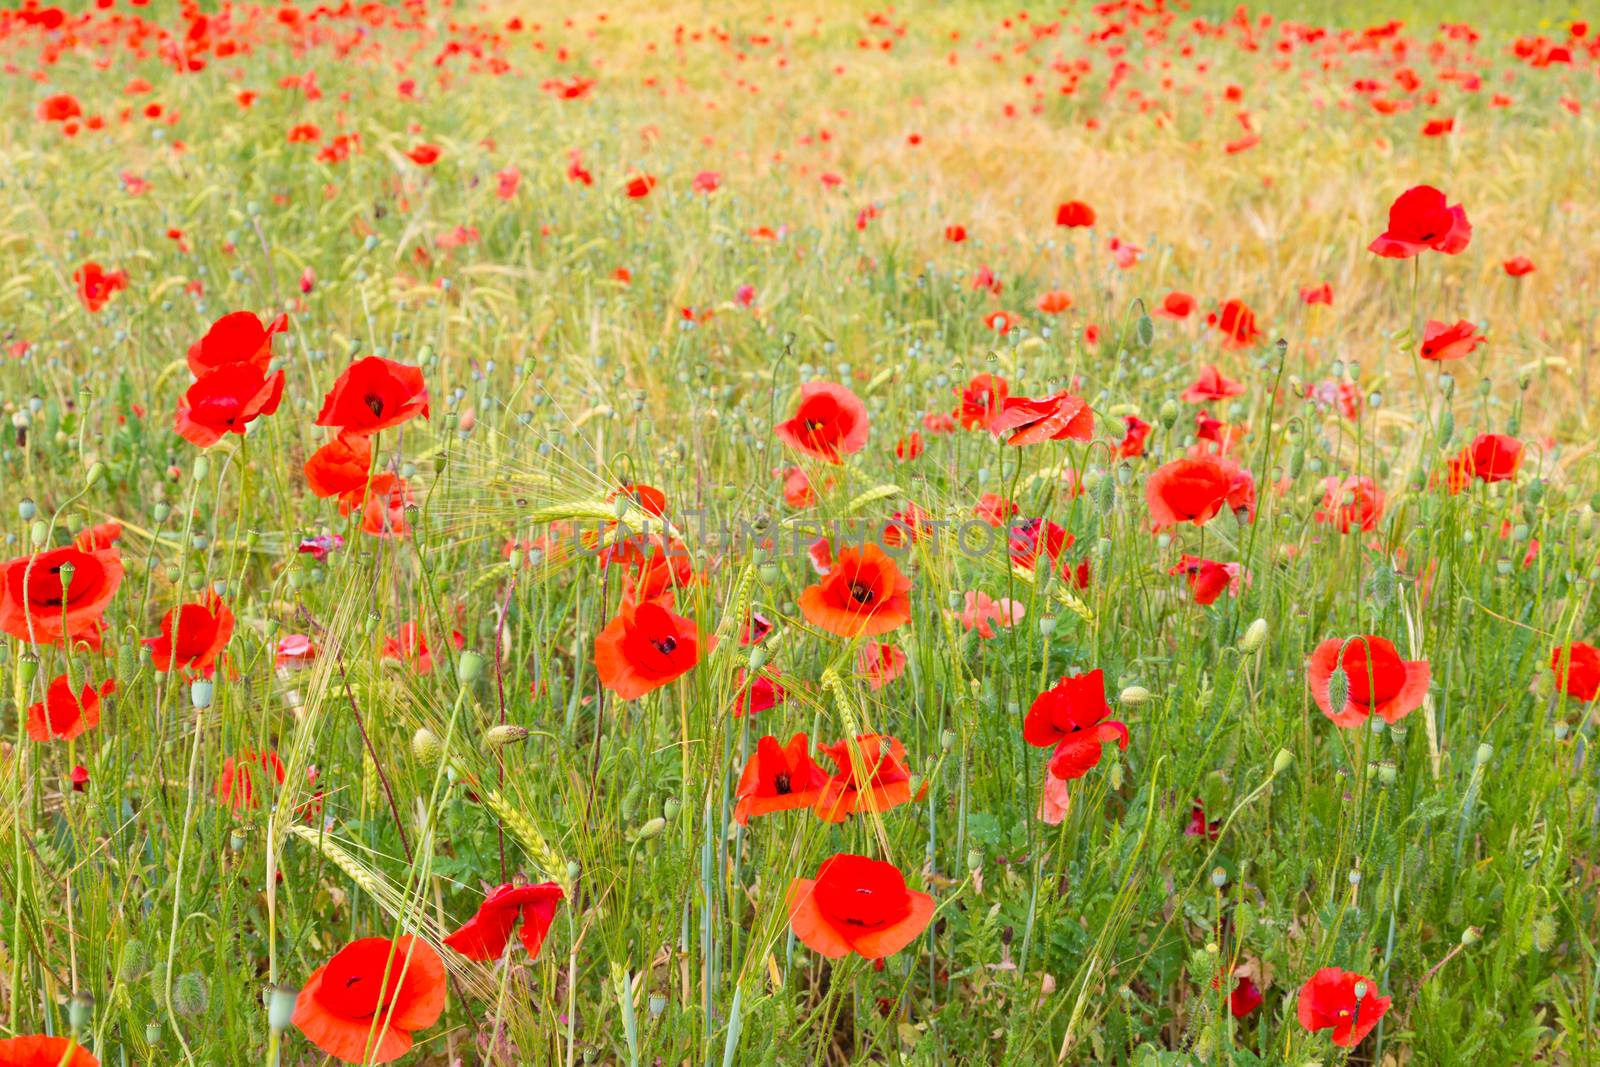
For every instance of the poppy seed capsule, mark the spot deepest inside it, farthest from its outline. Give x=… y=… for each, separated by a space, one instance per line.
x=97 y=472
x=504 y=735
x=1485 y=753
x=200 y=692
x=974 y=860
x=469 y=667
x=1219 y=878
x=670 y=808
x=152 y=1032
x=768 y=572
x=1047 y=625
x=26 y=509
x=425 y=746
x=1282 y=761
x=38 y=533
x=1133 y=695
x=280 y=1007
x=27 y=668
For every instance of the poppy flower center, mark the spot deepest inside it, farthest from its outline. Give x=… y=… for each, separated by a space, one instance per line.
x=861 y=593
x=781 y=784
x=665 y=645
x=374 y=404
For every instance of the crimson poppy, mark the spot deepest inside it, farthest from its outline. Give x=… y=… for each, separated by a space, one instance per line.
x=98 y=538
x=1027 y=540
x=237 y=337
x=1579 y=675
x=858 y=905
x=1197 y=826
x=778 y=778
x=955 y=234
x=1132 y=443
x=1195 y=488
x=424 y=155
x=1175 y=305
x=761 y=693
x=1237 y=323
x=36 y=606
x=1058 y=417
x=880 y=663
x=485 y=935
x=192 y=637
x=1441 y=342
x=1491 y=457
x=1419 y=219
x=374 y=394
x=994 y=509
x=1074 y=213
x=830 y=422
x=863 y=594
x=64 y=715
x=96 y=285
x=648 y=498
x=363 y=1005
x=1244 y=999
x=383 y=505
x=236 y=785
x=980 y=400
x=59 y=108
x=1054 y=302
x=1317 y=294
x=411 y=644
x=639 y=187
x=1073 y=716
x=1208 y=579
x=340 y=467
x=707 y=181
x=882 y=779
x=644 y=647
x=1330 y=1001
x=226 y=401
x=1377 y=681
x=39 y=1050
x=1518 y=266
x=1355 y=501
x=1212 y=385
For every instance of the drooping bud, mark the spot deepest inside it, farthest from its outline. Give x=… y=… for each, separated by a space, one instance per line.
x=1255 y=635
x=190 y=996
x=1282 y=761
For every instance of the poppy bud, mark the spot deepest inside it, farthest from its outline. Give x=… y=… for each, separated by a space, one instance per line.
x=1144 y=331
x=1282 y=761
x=1133 y=696
x=190 y=996
x=469 y=668
x=26 y=509
x=200 y=691
x=1105 y=494
x=974 y=860
x=1447 y=426
x=425 y=746
x=1168 y=413
x=1338 y=688
x=202 y=467
x=1387 y=773
x=1255 y=635
x=651 y=829
x=28 y=668
x=504 y=736
x=670 y=808
x=280 y=1007
x=1544 y=933
x=38 y=533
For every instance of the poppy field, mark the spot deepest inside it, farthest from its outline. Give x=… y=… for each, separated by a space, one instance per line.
x=833 y=534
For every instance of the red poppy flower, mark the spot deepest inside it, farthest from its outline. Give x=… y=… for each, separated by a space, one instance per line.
x=1058 y=417
x=645 y=647
x=202 y=631
x=37 y=1050
x=1054 y=302
x=830 y=422
x=648 y=498
x=1175 y=305
x=96 y=286
x=363 y=1005
x=778 y=778
x=340 y=467
x=797 y=488
x=1074 y=717
x=1328 y=1001
x=762 y=693
x=640 y=186
x=863 y=594
x=1517 y=266
x=1420 y=219
x=980 y=400
x=667 y=567
x=1355 y=501
x=1441 y=342
x=227 y=400
x=237 y=337
x=1492 y=457
x=1074 y=213
x=383 y=513
x=909 y=447
x=98 y=538
x=994 y=509
x=236 y=785
x=63 y=715
x=1244 y=999
x=880 y=663
x=1237 y=323
x=59 y=108
x=1027 y=540
x=983 y=613
x=1208 y=579
x=484 y=936
x=1212 y=385
x=36 y=607
x=424 y=155
x=858 y=905
x=410 y=644
x=1132 y=443
x=1579 y=675
x=955 y=234
x=1377 y=680
x=1197 y=826
x=374 y=394
x=880 y=781
x=1195 y=488
x=1317 y=294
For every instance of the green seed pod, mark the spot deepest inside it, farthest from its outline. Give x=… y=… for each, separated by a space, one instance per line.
x=652 y=828
x=469 y=668
x=974 y=860
x=27 y=668
x=1169 y=412
x=670 y=808
x=202 y=467
x=190 y=996
x=135 y=961
x=39 y=533
x=80 y=1011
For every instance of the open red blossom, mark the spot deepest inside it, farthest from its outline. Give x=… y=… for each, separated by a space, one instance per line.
x=424 y=155
x=1329 y=1001
x=1237 y=324
x=486 y=934
x=1441 y=342
x=1031 y=538
x=1132 y=443
x=237 y=337
x=38 y=1050
x=1517 y=266
x=64 y=715
x=1354 y=502
x=871 y=775
x=246 y=777
x=1420 y=219
x=1195 y=488
x=1074 y=213
x=830 y=422
x=1317 y=294
x=1212 y=385
x=227 y=400
x=778 y=778
x=38 y=607
x=1175 y=305
x=59 y=108
x=410 y=645
x=1244 y=999
x=981 y=399
x=639 y=187
x=761 y=693
x=880 y=663
x=192 y=637
x=1577 y=670
x=340 y=467
x=994 y=509
x=1059 y=417
x=1491 y=457
x=863 y=594
x=1377 y=680
x=1054 y=302
x=96 y=285
x=363 y=1005
x=1073 y=716
x=374 y=394
x=647 y=498
x=98 y=538
x=1208 y=579
x=644 y=647
x=858 y=905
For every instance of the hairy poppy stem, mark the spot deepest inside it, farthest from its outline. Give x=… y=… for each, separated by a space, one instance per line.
x=372 y=754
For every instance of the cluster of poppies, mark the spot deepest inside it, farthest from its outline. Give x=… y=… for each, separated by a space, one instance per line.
x=373 y=394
